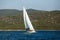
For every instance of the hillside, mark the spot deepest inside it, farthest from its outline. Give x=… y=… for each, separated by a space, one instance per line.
x=9 y=12
x=41 y=20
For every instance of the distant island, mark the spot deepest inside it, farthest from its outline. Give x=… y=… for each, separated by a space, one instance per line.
x=41 y=20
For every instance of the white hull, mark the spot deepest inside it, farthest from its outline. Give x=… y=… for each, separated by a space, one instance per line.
x=31 y=32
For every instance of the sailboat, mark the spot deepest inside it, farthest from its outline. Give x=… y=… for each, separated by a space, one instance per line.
x=28 y=25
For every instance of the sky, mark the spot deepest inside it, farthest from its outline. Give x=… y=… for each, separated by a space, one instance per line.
x=33 y=4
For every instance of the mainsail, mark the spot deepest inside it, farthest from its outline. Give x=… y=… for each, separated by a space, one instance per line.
x=28 y=26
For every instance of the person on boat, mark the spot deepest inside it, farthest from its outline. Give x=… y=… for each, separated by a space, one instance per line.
x=27 y=29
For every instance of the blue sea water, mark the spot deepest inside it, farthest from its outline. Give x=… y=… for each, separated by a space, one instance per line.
x=22 y=35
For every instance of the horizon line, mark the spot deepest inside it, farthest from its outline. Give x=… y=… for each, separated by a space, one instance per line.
x=34 y=9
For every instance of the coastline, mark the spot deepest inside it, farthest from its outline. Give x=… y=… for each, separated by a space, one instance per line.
x=24 y=30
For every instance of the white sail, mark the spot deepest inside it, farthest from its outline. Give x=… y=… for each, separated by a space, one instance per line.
x=28 y=26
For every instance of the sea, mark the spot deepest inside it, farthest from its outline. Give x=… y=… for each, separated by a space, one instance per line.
x=22 y=35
